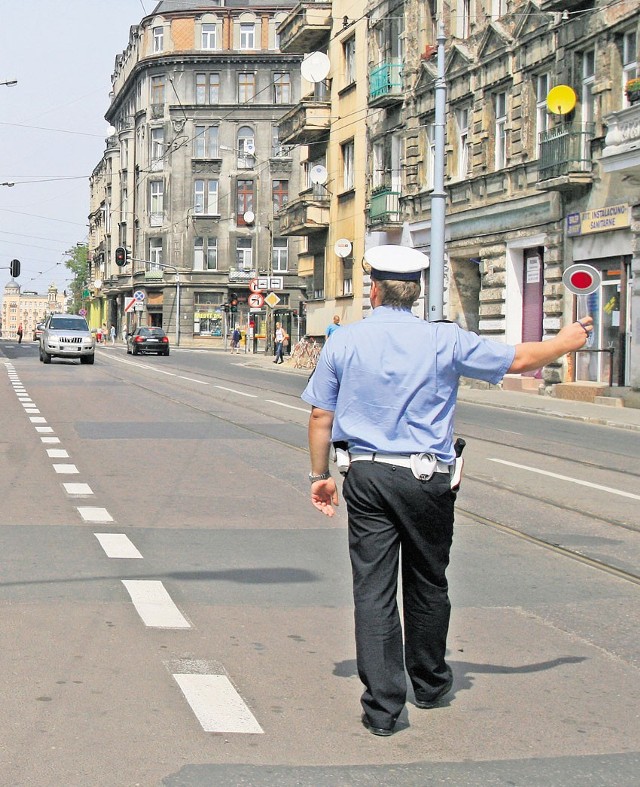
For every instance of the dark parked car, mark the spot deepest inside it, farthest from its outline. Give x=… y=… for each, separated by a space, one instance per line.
x=148 y=340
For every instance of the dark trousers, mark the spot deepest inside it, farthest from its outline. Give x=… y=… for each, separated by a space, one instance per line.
x=391 y=511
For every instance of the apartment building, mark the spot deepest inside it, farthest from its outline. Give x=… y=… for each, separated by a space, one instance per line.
x=28 y=308
x=194 y=175
x=531 y=188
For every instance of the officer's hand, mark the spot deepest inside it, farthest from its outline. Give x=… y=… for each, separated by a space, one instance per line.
x=324 y=495
x=577 y=333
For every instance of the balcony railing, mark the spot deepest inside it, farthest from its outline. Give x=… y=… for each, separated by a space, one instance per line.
x=565 y=152
x=306 y=215
x=307 y=122
x=385 y=84
x=306 y=27
x=384 y=207
x=622 y=143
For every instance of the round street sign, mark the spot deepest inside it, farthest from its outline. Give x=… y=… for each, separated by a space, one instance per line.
x=581 y=279
x=253 y=286
x=255 y=300
x=139 y=295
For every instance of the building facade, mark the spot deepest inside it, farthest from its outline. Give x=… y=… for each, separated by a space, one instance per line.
x=193 y=176
x=532 y=187
x=27 y=308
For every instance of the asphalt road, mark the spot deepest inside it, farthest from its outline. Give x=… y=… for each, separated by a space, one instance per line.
x=173 y=612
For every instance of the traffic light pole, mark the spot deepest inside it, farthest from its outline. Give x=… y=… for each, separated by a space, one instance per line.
x=177 y=273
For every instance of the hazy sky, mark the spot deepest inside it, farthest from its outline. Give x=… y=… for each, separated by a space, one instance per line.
x=52 y=126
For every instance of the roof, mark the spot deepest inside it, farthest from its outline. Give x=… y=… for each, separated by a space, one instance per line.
x=169 y=6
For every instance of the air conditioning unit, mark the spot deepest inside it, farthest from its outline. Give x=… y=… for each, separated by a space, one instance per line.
x=249 y=147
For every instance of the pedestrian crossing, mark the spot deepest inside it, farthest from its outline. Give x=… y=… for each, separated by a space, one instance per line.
x=215 y=702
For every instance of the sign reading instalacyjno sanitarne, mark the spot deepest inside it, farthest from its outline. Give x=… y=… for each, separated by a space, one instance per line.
x=613 y=217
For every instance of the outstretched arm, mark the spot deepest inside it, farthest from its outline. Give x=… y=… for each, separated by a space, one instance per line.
x=533 y=355
x=324 y=494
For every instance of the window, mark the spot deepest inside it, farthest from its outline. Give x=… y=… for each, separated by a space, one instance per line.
x=124 y=202
x=247 y=35
x=542 y=114
x=500 y=107
x=157 y=90
x=246 y=87
x=207 y=88
x=156 y=207
x=158 y=39
x=281 y=88
x=347 y=165
x=246 y=147
x=280 y=194
x=349 y=59
x=209 y=36
x=280 y=255
x=244 y=201
x=205 y=142
x=157 y=147
x=205 y=254
x=629 y=61
x=588 y=83
x=244 y=254
x=155 y=253
x=462 y=127
x=205 y=198
x=377 y=174
x=498 y=8
x=464 y=18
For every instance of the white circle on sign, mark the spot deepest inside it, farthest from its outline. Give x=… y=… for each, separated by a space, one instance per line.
x=315 y=67
x=97 y=284
x=255 y=300
x=253 y=286
x=318 y=174
x=343 y=248
x=581 y=279
x=249 y=217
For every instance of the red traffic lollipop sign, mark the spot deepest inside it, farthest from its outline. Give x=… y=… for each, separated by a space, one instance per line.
x=581 y=279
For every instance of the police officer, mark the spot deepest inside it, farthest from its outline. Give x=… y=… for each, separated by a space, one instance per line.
x=386 y=387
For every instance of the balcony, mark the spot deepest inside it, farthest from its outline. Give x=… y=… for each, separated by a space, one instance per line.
x=384 y=209
x=385 y=85
x=306 y=28
x=309 y=121
x=565 y=157
x=622 y=144
x=306 y=215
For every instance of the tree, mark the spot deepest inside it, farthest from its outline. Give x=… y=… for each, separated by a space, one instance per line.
x=79 y=267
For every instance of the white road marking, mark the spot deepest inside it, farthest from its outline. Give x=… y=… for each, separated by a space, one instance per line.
x=216 y=704
x=43 y=429
x=91 y=514
x=240 y=393
x=31 y=410
x=38 y=419
x=78 y=489
x=289 y=406
x=193 y=380
x=568 y=478
x=66 y=469
x=154 y=604
x=57 y=453
x=117 y=545
x=50 y=439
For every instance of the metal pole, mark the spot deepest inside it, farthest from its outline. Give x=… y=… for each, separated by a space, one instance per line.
x=177 y=308
x=438 y=195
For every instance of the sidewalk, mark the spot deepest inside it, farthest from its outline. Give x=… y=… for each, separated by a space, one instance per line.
x=604 y=415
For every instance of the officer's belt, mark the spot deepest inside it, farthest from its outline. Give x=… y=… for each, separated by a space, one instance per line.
x=400 y=460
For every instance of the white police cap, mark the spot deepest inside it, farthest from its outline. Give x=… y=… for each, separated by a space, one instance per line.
x=399 y=263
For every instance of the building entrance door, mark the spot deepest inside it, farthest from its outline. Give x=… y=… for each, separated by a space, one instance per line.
x=532 y=288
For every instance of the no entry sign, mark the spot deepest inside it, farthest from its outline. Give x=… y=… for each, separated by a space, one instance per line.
x=581 y=279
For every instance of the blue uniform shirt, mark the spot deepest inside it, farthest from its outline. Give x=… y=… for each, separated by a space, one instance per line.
x=392 y=381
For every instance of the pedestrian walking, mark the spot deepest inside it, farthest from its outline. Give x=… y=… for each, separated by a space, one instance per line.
x=236 y=336
x=20 y=332
x=384 y=391
x=124 y=334
x=112 y=333
x=334 y=326
x=279 y=339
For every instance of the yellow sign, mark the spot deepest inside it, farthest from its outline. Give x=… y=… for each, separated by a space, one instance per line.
x=272 y=299
x=615 y=217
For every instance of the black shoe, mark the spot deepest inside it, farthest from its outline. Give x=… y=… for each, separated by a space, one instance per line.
x=383 y=732
x=436 y=701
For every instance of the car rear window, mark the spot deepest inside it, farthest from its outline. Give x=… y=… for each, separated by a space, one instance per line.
x=68 y=324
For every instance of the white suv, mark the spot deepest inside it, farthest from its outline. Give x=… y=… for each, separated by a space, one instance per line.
x=67 y=336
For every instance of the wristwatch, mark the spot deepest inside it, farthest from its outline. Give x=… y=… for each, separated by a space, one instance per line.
x=322 y=477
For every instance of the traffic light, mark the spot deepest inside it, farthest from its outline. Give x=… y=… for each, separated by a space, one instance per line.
x=121 y=256
x=233 y=302
x=14 y=268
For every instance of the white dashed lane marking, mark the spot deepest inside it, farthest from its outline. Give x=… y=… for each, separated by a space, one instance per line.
x=78 y=489
x=233 y=390
x=289 y=406
x=216 y=704
x=154 y=604
x=38 y=419
x=43 y=429
x=93 y=514
x=50 y=440
x=66 y=469
x=57 y=453
x=117 y=545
